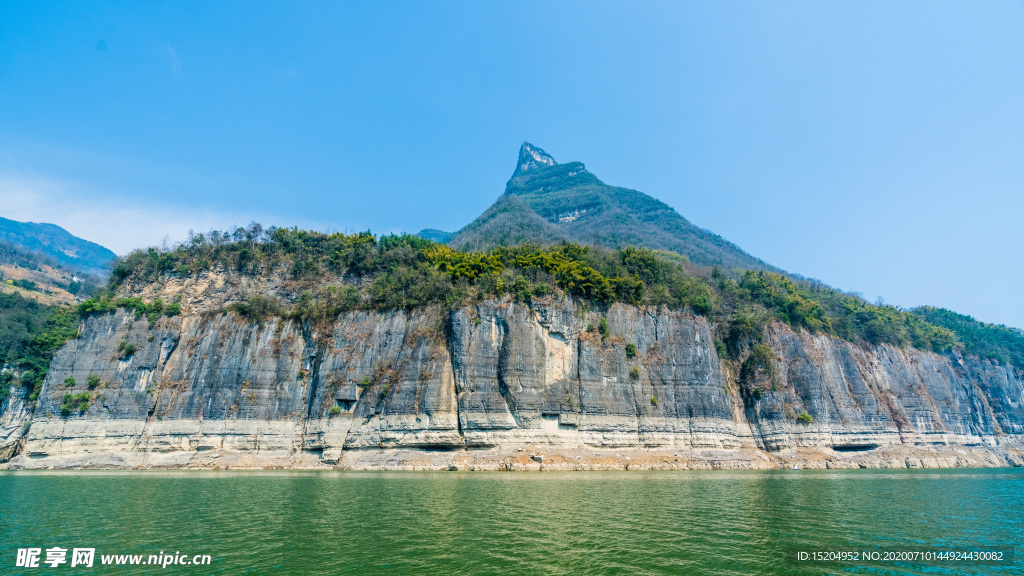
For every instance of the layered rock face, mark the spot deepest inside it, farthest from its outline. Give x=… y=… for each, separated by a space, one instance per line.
x=495 y=374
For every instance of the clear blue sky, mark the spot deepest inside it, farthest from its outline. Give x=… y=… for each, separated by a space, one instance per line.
x=877 y=146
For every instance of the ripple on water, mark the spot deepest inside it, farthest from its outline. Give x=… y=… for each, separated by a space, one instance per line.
x=452 y=523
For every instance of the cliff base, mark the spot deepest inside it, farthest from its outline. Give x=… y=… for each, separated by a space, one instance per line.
x=540 y=458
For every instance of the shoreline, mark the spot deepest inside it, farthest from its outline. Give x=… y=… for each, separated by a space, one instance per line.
x=541 y=458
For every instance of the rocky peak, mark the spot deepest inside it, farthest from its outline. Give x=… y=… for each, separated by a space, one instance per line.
x=531 y=157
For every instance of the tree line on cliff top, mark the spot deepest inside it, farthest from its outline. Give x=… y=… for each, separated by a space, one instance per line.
x=405 y=271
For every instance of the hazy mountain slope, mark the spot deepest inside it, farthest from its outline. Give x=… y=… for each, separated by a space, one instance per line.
x=39 y=277
x=56 y=242
x=565 y=201
x=507 y=222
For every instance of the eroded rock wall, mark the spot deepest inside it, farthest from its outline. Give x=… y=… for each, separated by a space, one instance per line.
x=497 y=373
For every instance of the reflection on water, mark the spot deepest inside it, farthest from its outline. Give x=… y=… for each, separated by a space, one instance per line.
x=508 y=523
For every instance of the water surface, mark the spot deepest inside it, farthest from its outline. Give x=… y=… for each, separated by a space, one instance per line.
x=709 y=522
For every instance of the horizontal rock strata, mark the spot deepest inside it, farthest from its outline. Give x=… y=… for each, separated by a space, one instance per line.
x=492 y=377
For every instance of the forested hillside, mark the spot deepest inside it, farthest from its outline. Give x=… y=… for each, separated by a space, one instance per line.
x=409 y=271
x=30 y=333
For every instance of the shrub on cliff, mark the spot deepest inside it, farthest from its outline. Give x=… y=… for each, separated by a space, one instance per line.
x=75 y=403
x=125 y=349
x=258 y=308
x=760 y=361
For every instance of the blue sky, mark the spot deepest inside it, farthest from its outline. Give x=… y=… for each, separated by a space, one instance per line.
x=876 y=146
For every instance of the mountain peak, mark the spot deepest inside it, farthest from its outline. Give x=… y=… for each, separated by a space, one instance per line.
x=546 y=202
x=531 y=157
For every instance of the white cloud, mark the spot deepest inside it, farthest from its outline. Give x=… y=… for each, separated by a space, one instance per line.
x=119 y=224
x=175 y=62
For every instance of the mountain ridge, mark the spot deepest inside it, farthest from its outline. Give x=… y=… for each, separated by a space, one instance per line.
x=546 y=201
x=57 y=243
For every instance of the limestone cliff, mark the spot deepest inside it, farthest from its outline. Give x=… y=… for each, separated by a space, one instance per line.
x=492 y=375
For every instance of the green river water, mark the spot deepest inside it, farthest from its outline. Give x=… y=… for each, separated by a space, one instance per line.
x=714 y=522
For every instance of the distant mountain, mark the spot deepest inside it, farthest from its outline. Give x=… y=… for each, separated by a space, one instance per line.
x=546 y=202
x=64 y=248
x=435 y=235
x=38 y=276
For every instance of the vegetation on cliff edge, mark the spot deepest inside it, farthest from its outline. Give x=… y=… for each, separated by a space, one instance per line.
x=403 y=271
x=30 y=334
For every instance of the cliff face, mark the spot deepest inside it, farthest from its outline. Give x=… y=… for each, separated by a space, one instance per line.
x=495 y=374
